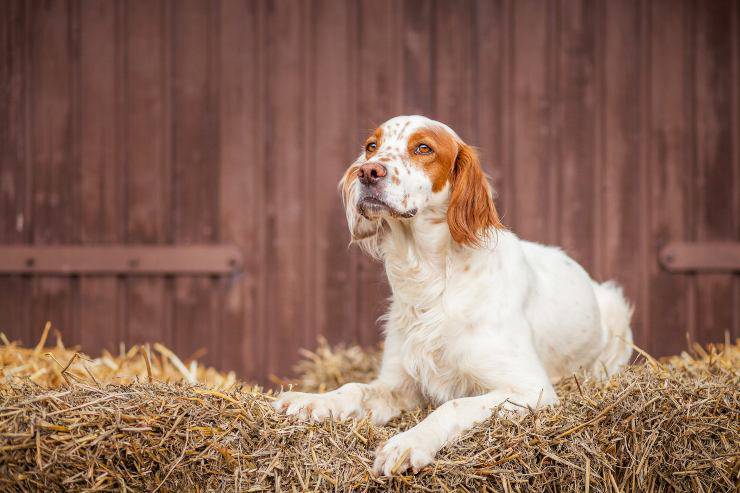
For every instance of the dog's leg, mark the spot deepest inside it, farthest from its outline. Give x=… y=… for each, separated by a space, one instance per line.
x=417 y=447
x=352 y=400
x=384 y=398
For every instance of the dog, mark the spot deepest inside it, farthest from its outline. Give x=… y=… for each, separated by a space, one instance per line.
x=480 y=322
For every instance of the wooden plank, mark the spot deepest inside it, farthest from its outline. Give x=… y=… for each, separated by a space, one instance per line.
x=54 y=167
x=535 y=86
x=622 y=186
x=147 y=132
x=577 y=204
x=121 y=260
x=241 y=193
x=334 y=50
x=101 y=177
x=736 y=155
x=714 y=188
x=669 y=159
x=418 y=62
x=454 y=67
x=491 y=61
x=380 y=95
x=14 y=172
x=195 y=168
x=533 y=164
x=286 y=175
x=706 y=256
x=644 y=245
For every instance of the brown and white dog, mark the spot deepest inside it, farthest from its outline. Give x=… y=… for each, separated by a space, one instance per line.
x=479 y=320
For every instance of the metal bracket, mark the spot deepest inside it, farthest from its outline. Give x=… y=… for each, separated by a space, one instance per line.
x=701 y=257
x=121 y=260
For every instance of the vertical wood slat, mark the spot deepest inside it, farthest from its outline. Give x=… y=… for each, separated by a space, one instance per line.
x=644 y=294
x=531 y=213
x=240 y=186
x=454 y=66
x=99 y=162
x=331 y=142
x=670 y=160
x=14 y=170
x=491 y=19
x=714 y=188
x=195 y=169
x=735 y=62
x=419 y=51
x=53 y=76
x=620 y=153
x=285 y=174
x=576 y=130
x=147 y=152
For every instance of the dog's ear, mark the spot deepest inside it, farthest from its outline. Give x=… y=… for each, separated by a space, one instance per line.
x=365 y=233
x=471 y=213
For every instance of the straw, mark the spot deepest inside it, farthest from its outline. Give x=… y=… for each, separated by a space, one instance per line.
x=671 y=426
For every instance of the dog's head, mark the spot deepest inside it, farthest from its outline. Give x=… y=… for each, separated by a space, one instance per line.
x=409 y=164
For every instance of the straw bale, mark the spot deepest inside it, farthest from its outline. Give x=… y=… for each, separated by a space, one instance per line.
x=661 y=426
x=44 y=365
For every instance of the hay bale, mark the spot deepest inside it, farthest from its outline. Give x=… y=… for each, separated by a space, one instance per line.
x=327 y=368
x=45 y=366
x=669 y=426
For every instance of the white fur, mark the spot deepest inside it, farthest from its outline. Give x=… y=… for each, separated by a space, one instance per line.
x=472 y=330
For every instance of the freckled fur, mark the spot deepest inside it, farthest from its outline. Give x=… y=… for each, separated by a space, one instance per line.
x=478 y=318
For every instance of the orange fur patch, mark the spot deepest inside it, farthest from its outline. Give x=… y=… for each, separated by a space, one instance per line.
x=438 y=164
x=377 y=138
x=471 y=211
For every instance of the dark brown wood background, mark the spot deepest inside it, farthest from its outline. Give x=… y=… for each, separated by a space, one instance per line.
x=609 y=127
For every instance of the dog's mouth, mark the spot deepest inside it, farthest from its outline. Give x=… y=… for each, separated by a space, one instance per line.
x=373 y=207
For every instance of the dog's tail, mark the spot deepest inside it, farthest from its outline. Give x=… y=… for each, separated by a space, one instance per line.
x=616 y=314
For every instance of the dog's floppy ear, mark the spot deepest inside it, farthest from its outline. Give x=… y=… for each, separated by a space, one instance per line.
x=471 y=213
x=364 y=232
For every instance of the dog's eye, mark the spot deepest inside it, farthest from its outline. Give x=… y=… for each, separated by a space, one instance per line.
x=371 y=147
x=423 y=149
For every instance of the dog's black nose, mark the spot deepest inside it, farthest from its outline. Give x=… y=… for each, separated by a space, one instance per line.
x=371 y=173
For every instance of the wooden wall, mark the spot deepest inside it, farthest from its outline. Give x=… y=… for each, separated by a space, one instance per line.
x=609 y=127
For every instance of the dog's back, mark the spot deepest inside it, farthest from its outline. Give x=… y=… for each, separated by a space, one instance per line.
x=578 y=324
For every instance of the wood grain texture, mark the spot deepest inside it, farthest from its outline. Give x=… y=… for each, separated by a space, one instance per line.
x=147 y=136
x=619 y=226
x=286 y=45
x=701 y=257
x=116 y=259
x=611 y=128
x=101 y=167
x=15 y=177
x=532 y=213
x=419 y=56
x=54 y=163
x=576 y=130
x=454 y=66
x=714 y=186
x=670 y=158
x=735 y=62
x=330 y=267
x=491 y=58
x=195 y=169
x=241 y=194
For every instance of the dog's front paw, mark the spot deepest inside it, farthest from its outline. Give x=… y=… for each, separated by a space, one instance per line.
x=318 y=406
x=410 y=449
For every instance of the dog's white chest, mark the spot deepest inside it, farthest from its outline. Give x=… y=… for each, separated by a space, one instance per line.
x=437 y=368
